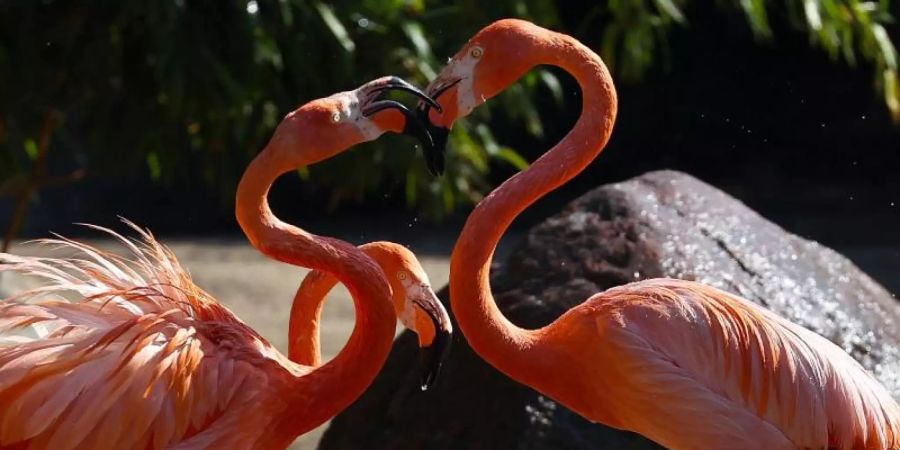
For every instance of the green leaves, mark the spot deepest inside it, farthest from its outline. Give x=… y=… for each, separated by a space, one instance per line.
x=337 y=29
x=638 y=30
x=669 y=8
x=31 y=149
x=853 y=28
x=179 y=88
x=153 y=166
x=755 y=10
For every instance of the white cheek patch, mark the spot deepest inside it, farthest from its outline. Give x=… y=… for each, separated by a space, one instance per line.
x=408 y=316
x=349 y=102
x=464 y=71
x=413 y=290
x=350 y=113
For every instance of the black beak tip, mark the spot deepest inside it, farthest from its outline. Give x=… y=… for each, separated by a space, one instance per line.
x=434 y=153
x=397 y=83
x=432 y=357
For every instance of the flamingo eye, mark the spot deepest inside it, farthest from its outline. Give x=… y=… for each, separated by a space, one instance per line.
x=336 y=117
x=476 y=52
x=402 y=276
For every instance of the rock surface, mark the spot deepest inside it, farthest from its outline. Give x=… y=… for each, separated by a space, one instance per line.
x=659 y=224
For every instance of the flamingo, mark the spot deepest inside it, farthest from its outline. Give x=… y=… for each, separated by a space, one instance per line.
x=145 y=359
x=684 y=364
x=409 y=285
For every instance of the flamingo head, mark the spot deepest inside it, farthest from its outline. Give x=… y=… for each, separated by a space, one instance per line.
x=493 y=59
x=416 y=304
x=327 y=126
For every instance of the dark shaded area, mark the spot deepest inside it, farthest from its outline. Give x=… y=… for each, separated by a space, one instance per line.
x=659 y=224
x=801 y=139
x=777 y=125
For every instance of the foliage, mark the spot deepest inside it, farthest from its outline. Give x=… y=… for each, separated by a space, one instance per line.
x=181 y=89
x=185 y=89
x=637 y=31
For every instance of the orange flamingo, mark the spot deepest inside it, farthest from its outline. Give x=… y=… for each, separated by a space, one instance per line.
x=409 y=285
x=147 y=360
x=684 y=364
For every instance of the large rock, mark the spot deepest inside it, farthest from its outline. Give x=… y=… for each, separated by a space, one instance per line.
x=659 y=224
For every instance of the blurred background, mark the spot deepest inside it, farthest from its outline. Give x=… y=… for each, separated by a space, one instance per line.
x=151 y=110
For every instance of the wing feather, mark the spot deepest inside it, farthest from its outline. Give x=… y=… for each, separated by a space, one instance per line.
x=783 y=374
x=143 y=358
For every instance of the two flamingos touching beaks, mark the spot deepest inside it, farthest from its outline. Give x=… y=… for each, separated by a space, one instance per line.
x=143 y=358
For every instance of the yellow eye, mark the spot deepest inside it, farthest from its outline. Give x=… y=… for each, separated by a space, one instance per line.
x=476 y=52
x=336 y=117
x=402 y=276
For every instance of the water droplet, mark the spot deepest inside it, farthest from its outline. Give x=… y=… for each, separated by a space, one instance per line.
x=863 y=117
x=363 y=22
x=252 y=7
x=823 y=124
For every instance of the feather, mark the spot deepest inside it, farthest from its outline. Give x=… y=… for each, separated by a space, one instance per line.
x=678 y=343
x=142 y=356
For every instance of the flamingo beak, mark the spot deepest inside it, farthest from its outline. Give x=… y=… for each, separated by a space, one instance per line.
x=435 y=154
x=412 y=127
x=433 y=354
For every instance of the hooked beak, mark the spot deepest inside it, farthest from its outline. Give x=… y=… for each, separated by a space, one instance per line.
x=433 y=354
x=434 y=154
x=413 y=127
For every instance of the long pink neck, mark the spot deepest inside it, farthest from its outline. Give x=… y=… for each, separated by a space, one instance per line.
x=513 y=350
x=321 y=393
x=304 y=345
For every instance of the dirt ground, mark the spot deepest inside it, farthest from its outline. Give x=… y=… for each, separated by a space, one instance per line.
x=258 y=290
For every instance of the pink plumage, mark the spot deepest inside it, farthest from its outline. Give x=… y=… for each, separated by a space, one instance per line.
x=144 y=358
x=687 y=353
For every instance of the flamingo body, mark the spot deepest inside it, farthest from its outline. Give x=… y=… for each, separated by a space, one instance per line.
x=147 y=360
x=665 y=357
x=684 y=364
x=144 y=359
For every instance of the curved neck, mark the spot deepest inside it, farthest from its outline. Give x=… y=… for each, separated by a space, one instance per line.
x=304 y=337
x=324 y=391
x=509 y=348
x=304 y=345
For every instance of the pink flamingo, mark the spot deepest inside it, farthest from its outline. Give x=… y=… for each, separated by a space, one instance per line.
x=145 y=359
x=684 y=364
